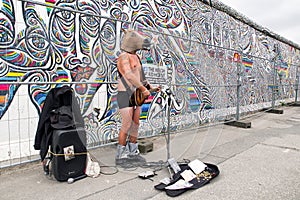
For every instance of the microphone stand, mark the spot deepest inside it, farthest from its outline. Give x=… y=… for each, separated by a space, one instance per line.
x=169 y=93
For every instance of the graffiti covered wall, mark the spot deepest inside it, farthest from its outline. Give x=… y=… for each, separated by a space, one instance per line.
x=198 y=53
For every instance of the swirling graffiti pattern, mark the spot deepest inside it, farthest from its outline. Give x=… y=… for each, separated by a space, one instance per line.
x=197 y=46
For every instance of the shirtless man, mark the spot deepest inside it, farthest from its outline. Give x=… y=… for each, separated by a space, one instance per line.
x=129 y=68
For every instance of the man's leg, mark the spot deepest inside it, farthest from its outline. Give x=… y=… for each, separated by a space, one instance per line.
x=132 y=145
x=122 y=152
x=134 y=128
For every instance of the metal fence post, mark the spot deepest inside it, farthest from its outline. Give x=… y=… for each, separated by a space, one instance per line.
x=297 y=84
x=238 y=89
x=274 y=85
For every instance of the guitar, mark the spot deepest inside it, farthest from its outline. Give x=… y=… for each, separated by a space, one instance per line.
x=138 y=98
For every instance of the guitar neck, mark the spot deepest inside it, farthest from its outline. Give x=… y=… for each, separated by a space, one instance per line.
x=153 y=90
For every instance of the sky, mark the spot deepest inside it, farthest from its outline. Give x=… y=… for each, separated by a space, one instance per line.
x=281 y=17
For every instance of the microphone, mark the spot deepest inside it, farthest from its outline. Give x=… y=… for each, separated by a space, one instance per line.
x=72 y=180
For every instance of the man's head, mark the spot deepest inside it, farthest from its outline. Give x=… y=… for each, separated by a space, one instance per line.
x=133 y=41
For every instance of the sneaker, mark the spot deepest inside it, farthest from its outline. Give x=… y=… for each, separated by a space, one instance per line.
x=121 y=155
x=134 y=153
x=122 y=161
x=137 y=158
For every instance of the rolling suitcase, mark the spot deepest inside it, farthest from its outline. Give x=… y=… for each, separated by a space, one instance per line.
x=69 y=153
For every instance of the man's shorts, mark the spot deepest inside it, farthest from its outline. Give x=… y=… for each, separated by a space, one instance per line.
x=123 y=99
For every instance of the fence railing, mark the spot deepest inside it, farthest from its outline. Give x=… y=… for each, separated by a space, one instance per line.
x=204 y=81
x=18 y=134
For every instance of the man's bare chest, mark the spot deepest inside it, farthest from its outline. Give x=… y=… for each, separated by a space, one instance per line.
x=135 y=63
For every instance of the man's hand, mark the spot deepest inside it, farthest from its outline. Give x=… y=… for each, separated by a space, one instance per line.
x=158 y=88
x=146 y=93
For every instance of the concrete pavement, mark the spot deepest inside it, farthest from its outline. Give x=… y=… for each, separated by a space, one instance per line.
x=262 y=162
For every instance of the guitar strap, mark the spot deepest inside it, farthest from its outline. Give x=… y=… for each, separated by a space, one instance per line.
x=143 y=77
x=128 y=90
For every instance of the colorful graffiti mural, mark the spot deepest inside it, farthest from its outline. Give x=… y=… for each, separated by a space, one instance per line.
x=77 y=42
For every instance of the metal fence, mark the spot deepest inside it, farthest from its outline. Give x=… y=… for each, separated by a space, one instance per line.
x=241 y=96
x=204 y=81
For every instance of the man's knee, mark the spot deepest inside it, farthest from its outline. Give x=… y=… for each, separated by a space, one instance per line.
x=135 y=126
x=125 y=127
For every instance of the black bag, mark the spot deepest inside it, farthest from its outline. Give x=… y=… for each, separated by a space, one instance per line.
x=61 y=127
x=69 y=153
x=61 y=110
x=62 y=118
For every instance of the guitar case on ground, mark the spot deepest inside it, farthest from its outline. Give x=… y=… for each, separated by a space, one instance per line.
x=210 y=172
